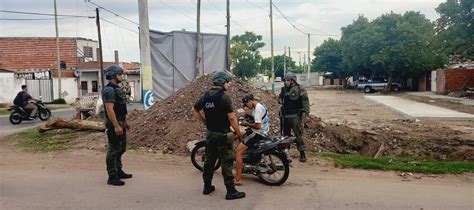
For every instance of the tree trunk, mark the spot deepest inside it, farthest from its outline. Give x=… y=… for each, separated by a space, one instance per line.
x=80 y=125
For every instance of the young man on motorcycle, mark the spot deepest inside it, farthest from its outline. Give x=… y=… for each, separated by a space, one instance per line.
x=259 y=130
x=117 y=126
x=24 y=99
x=218 y=117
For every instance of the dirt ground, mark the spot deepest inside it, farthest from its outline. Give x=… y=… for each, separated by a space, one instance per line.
x=439 y=139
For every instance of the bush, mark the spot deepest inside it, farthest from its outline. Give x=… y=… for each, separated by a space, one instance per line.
x=59 y=101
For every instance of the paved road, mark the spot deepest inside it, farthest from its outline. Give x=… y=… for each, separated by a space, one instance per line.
x=7 y=128
x=419 y=110
x=76 y=180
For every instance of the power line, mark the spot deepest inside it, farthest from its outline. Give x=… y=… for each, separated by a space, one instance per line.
x=29 y=19
x=108 y=21
x=287 y=20
x=184 y=14
x=45 y=14
x=101 y=7
x=258 y=6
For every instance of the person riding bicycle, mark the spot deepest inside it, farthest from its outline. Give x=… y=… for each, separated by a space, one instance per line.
x=259 y=130
x=26 y=101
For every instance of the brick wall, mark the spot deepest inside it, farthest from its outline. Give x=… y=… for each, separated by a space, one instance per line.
x=448 y=80
x=36 y=53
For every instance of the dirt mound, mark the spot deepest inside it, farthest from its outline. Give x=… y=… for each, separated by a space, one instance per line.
x=169 y=124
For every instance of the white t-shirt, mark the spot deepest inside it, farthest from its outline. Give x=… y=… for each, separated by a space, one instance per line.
x=259 y=115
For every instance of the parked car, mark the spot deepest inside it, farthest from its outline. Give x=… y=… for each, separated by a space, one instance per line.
x=375 y=85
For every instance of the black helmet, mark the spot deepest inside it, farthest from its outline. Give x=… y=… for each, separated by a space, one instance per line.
x=290 y=76
x=112 y=71
x=246 y=98
x=220 y=77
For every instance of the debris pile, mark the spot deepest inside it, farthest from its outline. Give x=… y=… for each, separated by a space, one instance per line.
x=169 y=125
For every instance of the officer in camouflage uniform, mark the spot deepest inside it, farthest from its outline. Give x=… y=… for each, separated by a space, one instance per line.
x=218 y=116
x=115 y=111
x=295 y=106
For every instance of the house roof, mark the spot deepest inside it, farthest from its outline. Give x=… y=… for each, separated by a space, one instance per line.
x=47 y=38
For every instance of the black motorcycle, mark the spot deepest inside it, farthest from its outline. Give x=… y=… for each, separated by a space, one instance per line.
x=269 y=159
x=19 y=113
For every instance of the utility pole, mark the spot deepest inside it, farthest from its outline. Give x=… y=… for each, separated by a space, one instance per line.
x=284 y=62
x=101 y=60
x=228 y=35
x=299 y=56
x=271 y=38
x=198 y=38
x=145 y=56
x=289 y=51
x=309 y=56
x=58 y=60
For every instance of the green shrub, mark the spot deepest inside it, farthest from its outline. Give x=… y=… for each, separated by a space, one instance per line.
x=59 y=101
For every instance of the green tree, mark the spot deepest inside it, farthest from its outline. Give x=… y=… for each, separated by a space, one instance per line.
x=355 y=48
x=245 y=54
x=402 y=45
x=328 y=57
x=279 y=64
x=455 y=30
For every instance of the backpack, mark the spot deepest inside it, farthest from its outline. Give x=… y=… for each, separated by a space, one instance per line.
x=18 y=99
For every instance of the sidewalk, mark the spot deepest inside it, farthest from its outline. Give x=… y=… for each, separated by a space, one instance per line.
x=432 y=95
x=419 y=110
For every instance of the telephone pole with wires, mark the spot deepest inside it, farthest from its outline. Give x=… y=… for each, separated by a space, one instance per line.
x=101 y=73
x=58 y=59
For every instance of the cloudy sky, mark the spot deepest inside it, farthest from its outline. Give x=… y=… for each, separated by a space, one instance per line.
x=325 y=17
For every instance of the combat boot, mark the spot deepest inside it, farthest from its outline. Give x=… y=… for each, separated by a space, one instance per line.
x=115 y=180
x=302 y=156
x=232 y=193
x=123 y=175
x=208 y=189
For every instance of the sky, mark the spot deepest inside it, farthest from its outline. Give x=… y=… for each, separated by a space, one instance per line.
x=324 y=18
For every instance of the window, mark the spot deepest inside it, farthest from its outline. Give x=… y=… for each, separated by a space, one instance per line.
x=62 y=64
x=95 y=89
x=88 y=53
x=84 y=88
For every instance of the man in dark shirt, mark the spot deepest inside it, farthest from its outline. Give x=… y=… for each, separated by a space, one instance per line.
x=295 y=106
x=24 y=99
x=218 y=116
x=117 y=126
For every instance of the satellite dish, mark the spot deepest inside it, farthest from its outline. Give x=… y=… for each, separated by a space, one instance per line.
x=77 y=73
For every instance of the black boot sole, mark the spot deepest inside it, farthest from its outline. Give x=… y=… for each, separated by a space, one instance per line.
x=207 y=192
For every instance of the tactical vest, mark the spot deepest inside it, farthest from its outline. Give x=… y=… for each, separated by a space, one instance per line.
x=120 y=105
x=292 y=103
x=216 y=118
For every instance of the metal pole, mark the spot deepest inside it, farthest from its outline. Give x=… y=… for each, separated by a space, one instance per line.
x=198 y=38
x=101 y=60
x=228 y=35
x=145 y=56
x=271 y=38
x=58 y=60
x=284 y=62
x=309 y=56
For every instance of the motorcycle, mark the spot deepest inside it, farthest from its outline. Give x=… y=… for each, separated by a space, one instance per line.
x=19 y=113
x=269 y=159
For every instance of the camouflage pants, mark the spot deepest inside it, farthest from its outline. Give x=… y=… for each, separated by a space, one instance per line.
x=294 y=124
x=116 y=147
x=219 y=145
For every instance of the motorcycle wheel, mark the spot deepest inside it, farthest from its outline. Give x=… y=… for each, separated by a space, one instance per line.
x=44 y=114
x=16 y=118
x=280 y=169
x=198 y=157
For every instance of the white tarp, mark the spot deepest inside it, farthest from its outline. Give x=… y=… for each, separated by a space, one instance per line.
x=173 y=59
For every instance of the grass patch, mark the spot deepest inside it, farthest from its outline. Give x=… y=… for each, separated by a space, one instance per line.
x=33 y=141
x=401 y=164
x=133 y=147
x=4 y=111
